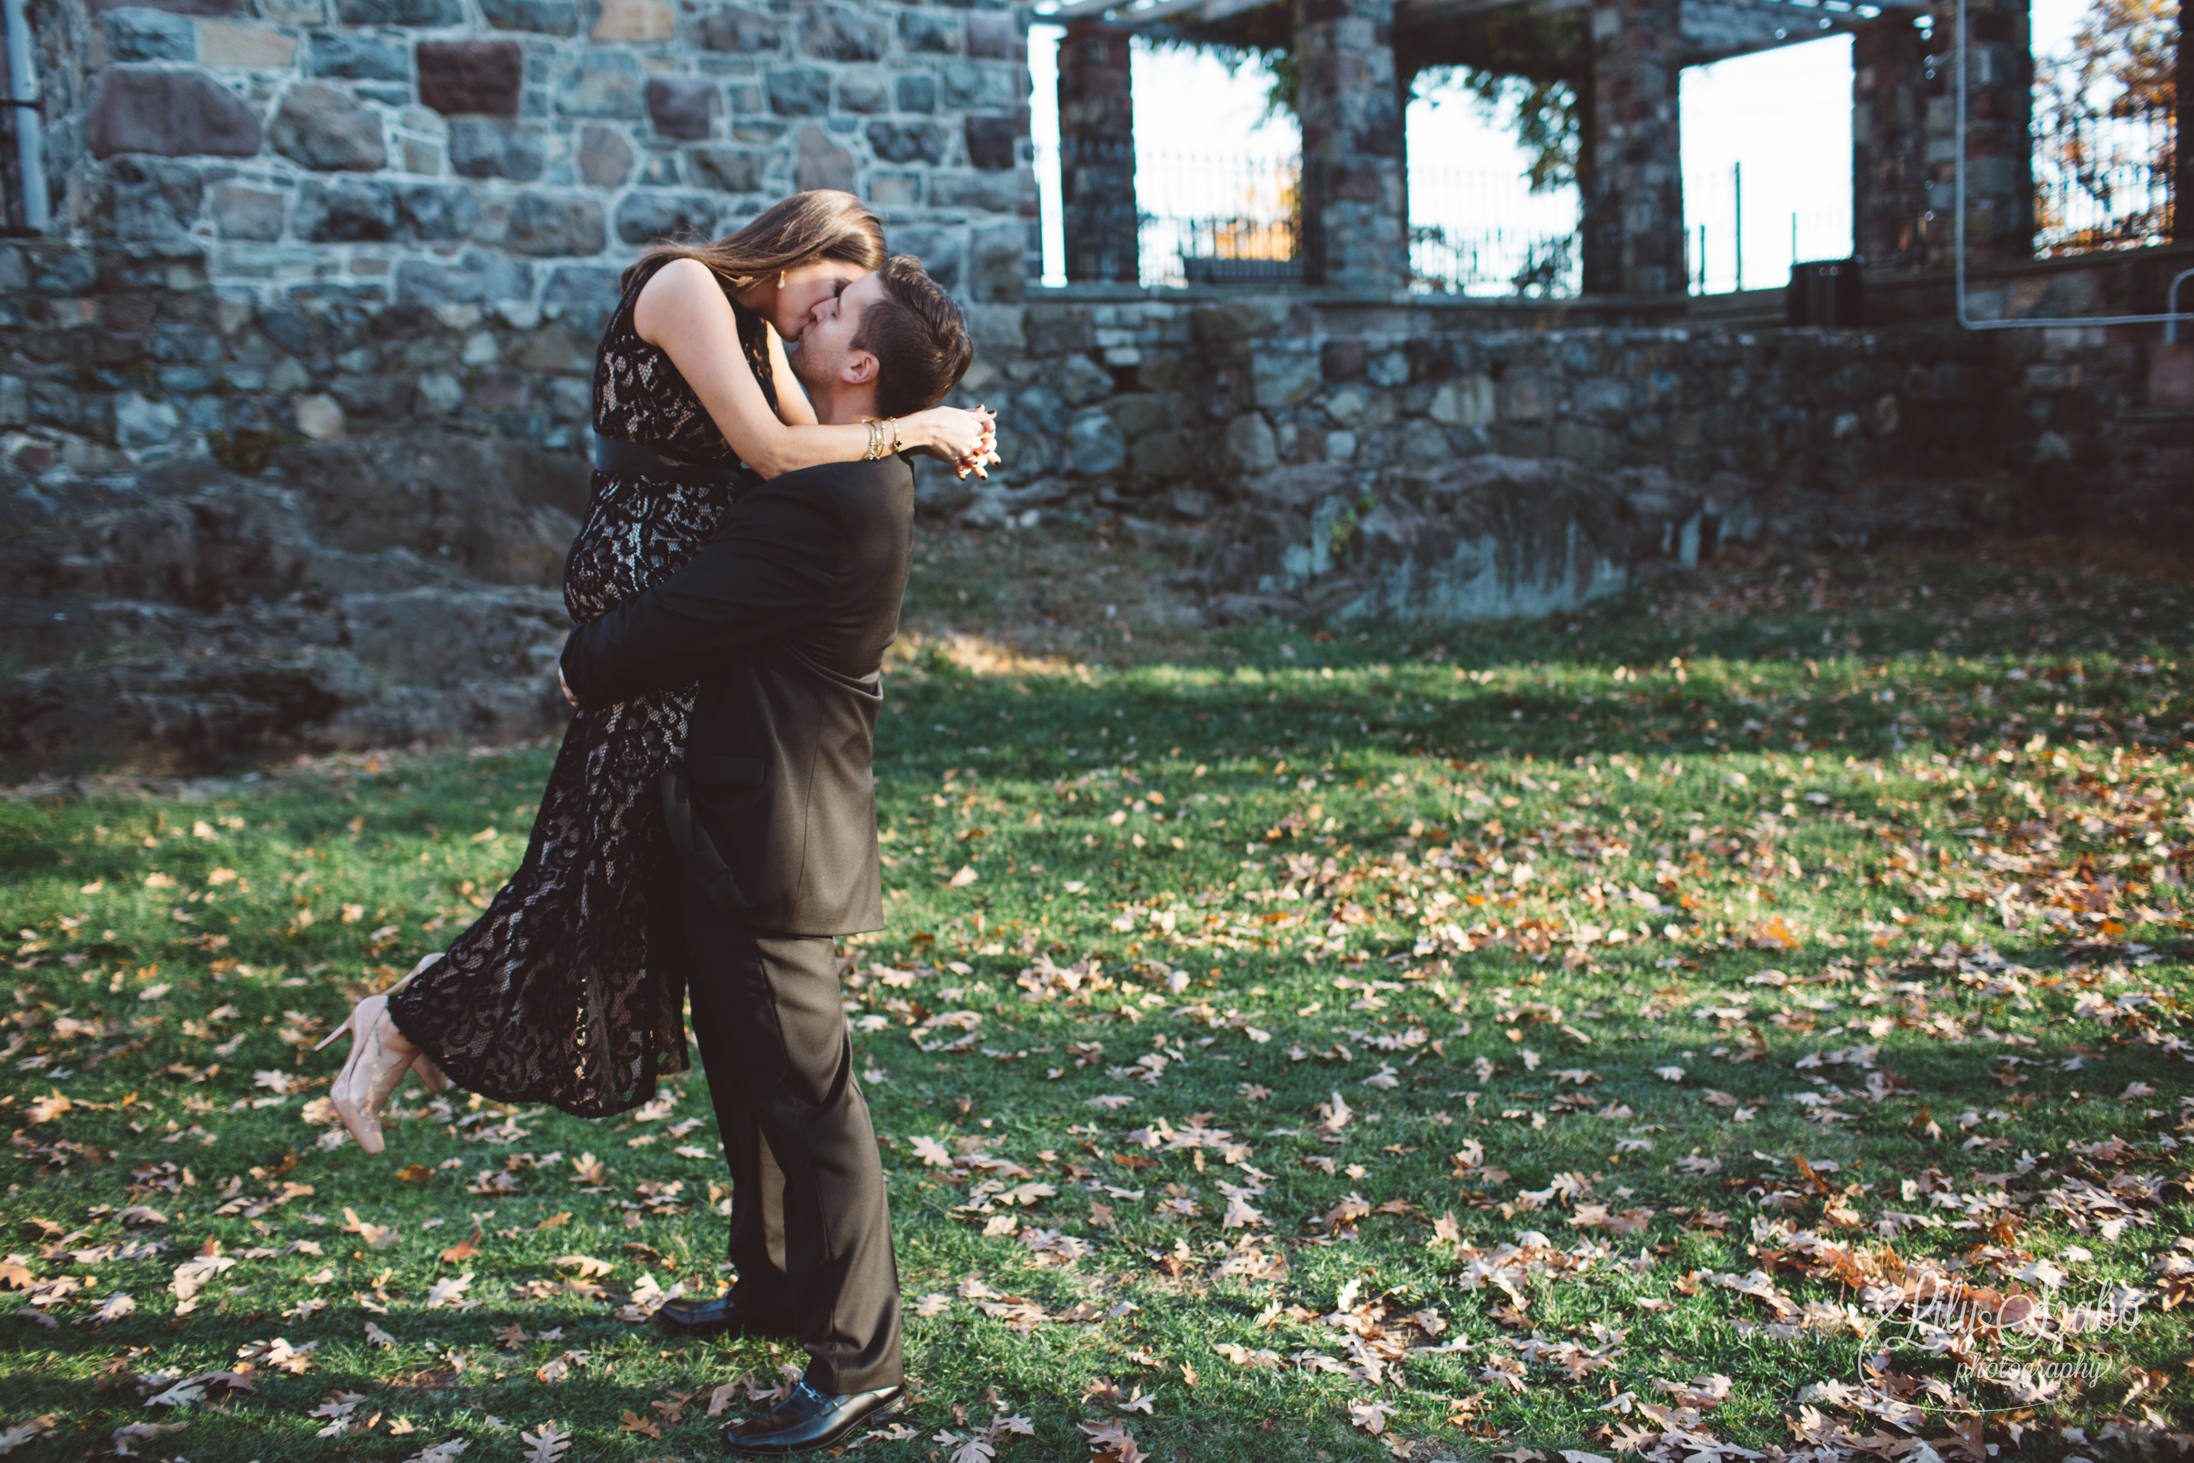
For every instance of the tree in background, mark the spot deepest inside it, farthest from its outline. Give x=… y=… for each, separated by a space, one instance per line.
x=1543 y=114
x=2105 y=147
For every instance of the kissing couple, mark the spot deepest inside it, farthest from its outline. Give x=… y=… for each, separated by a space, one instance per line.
x=710 y=821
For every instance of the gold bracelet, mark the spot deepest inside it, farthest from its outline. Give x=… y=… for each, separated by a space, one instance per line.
x=875 y=435
x=894 y=436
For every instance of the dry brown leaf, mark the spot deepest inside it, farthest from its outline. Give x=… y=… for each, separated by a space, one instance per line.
x=1110 y=1442
x=547 y=1445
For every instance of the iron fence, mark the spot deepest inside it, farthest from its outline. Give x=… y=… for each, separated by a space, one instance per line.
x=2105 y=183
x=1209 y=219
x=1485 y=233
x=1215 y=219
x=1447 y=260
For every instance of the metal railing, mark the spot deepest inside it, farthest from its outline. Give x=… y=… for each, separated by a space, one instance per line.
x=2104 y=183
x=1483 y=233
x=1214 y=219
x=1209 y=219
x=1466 y=261
x=1218 y=220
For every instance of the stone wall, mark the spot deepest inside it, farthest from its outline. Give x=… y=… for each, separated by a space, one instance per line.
x=1151 y=402
x=117 y=357
x=238 y=521
x=1158 y=405
x=519 y=152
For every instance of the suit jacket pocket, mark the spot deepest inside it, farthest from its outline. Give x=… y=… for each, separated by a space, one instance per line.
x=723 y=769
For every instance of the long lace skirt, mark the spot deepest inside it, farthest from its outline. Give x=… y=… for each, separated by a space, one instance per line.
x=569 y=989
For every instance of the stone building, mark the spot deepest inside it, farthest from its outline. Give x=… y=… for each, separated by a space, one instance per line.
x=1356 y=59
x=295 y=385
x=515 y=154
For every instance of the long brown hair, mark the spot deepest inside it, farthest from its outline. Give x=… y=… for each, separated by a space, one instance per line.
x=819 y=224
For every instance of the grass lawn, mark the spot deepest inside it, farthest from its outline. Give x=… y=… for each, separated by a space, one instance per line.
x=1747 y=1020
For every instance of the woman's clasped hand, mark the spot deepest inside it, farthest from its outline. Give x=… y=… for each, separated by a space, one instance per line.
x=966 y=441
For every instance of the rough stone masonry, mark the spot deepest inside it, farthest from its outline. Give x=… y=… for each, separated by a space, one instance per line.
x=514 y=154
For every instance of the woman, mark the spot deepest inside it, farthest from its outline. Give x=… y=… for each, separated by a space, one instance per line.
x=569 y=989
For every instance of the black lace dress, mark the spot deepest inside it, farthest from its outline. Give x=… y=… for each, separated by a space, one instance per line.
x=569 y=989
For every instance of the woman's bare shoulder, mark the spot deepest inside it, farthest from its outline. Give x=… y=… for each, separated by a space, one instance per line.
x=682 y=290
x=686 y=280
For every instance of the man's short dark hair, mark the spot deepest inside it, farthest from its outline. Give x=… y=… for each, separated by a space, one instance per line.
x=918 y=337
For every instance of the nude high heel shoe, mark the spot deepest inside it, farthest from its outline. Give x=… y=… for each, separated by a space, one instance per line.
x=375 y=1068
x=377 y=1065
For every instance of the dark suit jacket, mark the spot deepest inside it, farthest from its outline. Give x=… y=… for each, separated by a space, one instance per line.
x=783 y=618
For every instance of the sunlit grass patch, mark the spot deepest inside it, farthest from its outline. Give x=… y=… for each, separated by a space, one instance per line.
x=1591 y=1035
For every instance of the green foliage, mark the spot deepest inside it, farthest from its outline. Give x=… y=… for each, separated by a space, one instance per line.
x=1543 y=113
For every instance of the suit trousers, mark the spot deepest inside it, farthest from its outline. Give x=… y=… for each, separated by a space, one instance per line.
x=810 y=1224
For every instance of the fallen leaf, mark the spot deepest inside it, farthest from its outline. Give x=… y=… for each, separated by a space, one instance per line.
x=123 y=1439
x=1109 y=1442
x=46 y=1109
x=1370 y=1416
x=547 y=1445
x=377 y=1235
x=113 y=1308
x=23 y=1434
x=447 y=1290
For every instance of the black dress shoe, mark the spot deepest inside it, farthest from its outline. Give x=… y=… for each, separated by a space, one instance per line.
x=809 y=1419
x=723 y=1316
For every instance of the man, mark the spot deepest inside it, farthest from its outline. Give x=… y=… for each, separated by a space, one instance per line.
x=783 y=619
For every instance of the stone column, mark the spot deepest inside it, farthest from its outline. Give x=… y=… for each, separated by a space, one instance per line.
x=1999 y=134
x=1633 y=196
x=1354 y=231
x=1889 y=172
x=1097 y=154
